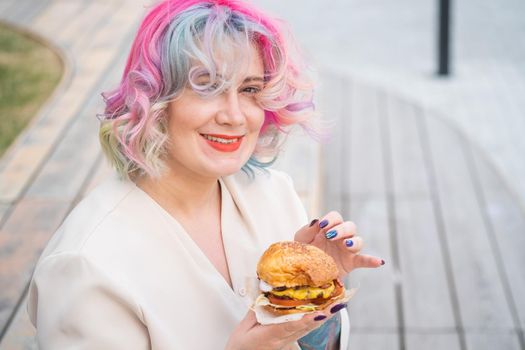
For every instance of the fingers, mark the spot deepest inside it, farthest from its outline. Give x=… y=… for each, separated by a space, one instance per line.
x=296 y=329
x=354 y=244
x=335 y=229
x=278 y=336
x=345 y=232
x=330 y=226
x=330 y=220
x=340 y=231
x=283 y=333
x=311 y=322
x=319 y=318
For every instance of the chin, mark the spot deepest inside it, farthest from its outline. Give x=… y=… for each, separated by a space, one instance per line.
x=226 y=169
x=227 y=165
x=213 y=167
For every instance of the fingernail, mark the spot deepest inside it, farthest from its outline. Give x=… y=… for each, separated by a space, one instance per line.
x=319 y=318
x=323 y=224
x=349 y=243
x=337 y=308
x=313 y=222
x=331 y=234
x=382 y=262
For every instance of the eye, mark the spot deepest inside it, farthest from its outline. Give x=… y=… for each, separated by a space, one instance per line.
x=204 y=81
x=252 y=90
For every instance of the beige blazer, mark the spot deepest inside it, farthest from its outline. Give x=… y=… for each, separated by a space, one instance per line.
x=121 y=273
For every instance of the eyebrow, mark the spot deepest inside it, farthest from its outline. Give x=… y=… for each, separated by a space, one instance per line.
x=246 y=80
x=254 y=78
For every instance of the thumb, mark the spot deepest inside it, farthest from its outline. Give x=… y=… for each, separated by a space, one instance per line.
x=307 y=233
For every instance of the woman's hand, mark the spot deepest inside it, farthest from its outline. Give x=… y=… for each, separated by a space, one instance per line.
x=250 y=335
x=338 y=238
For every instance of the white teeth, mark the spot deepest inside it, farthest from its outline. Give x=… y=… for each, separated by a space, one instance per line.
x=219 y=140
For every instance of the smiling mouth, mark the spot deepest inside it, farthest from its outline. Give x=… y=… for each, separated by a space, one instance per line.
x=225 y=140
x=223 y=143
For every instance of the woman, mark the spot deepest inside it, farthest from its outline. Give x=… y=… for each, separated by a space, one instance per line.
x=161 y=257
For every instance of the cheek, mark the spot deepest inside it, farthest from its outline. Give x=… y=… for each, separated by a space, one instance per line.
x=181 y=127
x=254 y=114
x=257 y=120
x=175 y=134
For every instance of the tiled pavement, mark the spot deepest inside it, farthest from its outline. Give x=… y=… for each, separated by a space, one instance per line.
x=423 y=195
x=54 y=160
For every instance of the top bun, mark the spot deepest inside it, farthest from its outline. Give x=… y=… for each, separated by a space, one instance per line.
x=293 y=264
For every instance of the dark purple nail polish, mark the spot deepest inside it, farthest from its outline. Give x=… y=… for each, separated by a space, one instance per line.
x=382 y=262
x=323 y=224
x=337 y=308
x=349 y=243
x=319 y=318
x=313 y=222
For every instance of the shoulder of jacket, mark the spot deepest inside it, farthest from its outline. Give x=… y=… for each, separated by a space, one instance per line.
x=75 y=273
x=89 y=214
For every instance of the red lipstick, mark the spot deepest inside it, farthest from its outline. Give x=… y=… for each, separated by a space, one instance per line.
x=223 y=143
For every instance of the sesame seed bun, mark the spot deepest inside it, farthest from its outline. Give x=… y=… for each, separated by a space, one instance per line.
x=294 y=264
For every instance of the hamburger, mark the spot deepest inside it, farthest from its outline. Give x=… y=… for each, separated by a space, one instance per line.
x=295 y=277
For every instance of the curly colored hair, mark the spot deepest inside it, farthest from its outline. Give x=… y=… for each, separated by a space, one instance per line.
x=179 y=40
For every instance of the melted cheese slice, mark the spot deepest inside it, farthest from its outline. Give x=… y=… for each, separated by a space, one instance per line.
x=307 y=292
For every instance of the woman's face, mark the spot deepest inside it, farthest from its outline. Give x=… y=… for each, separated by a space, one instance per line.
x=215 y=136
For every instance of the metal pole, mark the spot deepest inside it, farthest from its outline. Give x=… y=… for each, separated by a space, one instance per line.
x=444 y=38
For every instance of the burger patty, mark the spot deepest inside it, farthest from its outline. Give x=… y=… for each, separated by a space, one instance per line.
x=306 y=294
x=283 y=288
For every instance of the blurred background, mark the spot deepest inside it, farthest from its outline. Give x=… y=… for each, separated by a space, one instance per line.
x=429 y=166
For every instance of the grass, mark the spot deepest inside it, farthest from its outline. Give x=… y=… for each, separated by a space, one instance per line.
x=29 y=72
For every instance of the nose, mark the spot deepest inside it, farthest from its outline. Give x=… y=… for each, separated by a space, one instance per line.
x=231 y=112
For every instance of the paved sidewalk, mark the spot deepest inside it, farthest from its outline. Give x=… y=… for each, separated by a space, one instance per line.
x=57 y=158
